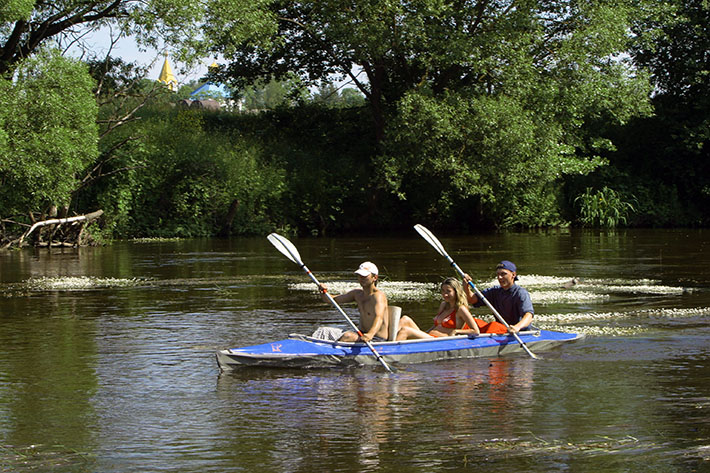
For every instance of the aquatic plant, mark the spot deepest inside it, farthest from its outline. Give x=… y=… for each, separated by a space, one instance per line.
x=80 y=282
x=603 y=208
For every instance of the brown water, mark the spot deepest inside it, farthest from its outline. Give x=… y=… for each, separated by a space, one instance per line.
x=107 y=359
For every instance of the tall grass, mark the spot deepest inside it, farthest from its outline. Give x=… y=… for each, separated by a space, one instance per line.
x=603 y=208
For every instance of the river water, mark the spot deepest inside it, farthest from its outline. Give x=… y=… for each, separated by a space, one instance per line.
x=107 y=359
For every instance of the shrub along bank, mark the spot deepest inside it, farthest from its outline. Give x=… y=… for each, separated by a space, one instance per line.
x=314 y=170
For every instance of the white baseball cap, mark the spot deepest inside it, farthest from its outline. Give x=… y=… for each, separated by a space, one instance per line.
x=366 y=269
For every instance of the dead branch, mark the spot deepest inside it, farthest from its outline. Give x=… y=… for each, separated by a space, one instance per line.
x=81 y=220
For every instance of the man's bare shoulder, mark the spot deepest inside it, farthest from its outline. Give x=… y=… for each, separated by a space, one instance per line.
x=377 y=297
x=380 y=296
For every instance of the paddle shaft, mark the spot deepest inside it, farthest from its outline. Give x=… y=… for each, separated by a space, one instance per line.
x=352 y=324
x=433 y=241
x=500 y=318
x=332 y=301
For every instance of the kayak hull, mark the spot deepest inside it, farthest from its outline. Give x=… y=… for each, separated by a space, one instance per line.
x=299 y=351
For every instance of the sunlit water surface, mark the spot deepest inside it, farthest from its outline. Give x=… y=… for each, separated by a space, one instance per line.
x=107 y=359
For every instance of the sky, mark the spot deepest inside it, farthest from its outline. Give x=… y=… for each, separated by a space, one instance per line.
x=128 y=50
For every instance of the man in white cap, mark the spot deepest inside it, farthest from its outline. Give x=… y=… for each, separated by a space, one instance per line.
x=371 y=302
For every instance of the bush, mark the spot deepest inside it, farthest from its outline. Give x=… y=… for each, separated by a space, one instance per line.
x=185 y=181
x=603 y=208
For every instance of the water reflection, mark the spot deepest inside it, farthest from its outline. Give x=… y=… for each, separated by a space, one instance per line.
x=347 y=415
x=48 y=382
x=364 y=417
x=121 y=377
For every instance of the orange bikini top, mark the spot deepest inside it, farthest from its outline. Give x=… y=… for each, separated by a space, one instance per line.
x=450 y=321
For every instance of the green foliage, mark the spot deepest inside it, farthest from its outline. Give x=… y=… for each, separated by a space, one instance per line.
x=48 y=132
x=272 y=94
x=464 y=114
x=26 y=26
x=603 y=208
x=673 y=44
x=664 y=159
x=489 y=149
x=671 y=151
x=13 y=10
x=478 y=100
x=190 y=179
x=328 y=95
x=350 y=97
x=326 y=156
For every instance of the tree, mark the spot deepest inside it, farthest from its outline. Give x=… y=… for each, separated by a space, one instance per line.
x=403 y=46
x=48 y=132
x=673 y=45
x=26 y=26
x=329 y=95
x=664 y=160
x=272 y=94
x=503 y=95
x=352 y=98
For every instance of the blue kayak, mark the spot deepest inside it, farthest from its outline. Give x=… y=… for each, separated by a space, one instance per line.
x=305 y=352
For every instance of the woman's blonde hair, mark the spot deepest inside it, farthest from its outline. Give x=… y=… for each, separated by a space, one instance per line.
x=455 y=284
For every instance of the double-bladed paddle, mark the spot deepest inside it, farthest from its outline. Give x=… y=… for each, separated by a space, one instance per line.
x=433 y=241
x=289 y=251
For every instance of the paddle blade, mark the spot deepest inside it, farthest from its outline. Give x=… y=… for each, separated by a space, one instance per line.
x=286 y=247
x=429 y=237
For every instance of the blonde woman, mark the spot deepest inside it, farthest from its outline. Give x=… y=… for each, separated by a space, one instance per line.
x=453 y=317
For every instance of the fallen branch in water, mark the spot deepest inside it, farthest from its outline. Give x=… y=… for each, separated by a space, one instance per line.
x=81 y=220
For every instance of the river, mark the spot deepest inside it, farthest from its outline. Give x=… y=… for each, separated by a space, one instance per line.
x=107 y=359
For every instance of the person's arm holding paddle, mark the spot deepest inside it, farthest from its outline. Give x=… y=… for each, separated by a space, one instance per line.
x=524 y=322
x=510 y=300
x=340 y=299
x=371 y=303
x=471 y=297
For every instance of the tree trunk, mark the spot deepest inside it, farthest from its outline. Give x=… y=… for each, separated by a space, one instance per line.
x=227 y=227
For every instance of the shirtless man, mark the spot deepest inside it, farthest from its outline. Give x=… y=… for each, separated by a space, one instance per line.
x=371 y=302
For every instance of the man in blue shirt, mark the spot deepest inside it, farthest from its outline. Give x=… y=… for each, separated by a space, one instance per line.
x=511 y=301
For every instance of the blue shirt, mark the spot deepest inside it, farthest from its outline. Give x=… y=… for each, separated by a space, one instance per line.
x=512 y=304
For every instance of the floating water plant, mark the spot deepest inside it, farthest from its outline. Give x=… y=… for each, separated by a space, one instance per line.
x=69 y=283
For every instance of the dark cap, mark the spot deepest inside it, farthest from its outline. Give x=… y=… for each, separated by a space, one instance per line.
x=508 y=265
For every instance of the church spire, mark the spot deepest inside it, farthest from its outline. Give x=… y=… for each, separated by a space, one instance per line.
x=166 y=75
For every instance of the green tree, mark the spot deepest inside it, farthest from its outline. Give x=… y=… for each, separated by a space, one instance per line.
x=486 y=107
x=664 y=159
x=269 y=95
x=352 y=98
x=671 y=151
x=48 y=132
x=402 y=46
x=13 y=10
x=199 y=182
x=329 y=95
x=26 y=26
x=474 y=100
